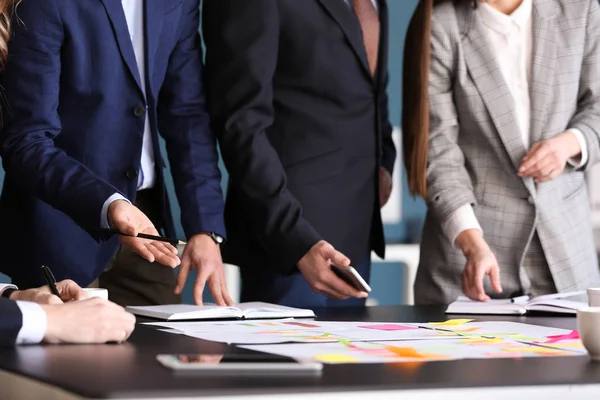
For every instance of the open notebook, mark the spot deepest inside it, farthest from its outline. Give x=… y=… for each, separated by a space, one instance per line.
x=182 y=312
x=555 y=303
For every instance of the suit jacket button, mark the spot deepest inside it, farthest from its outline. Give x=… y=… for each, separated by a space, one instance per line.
x=139 y=111
x=132 y=173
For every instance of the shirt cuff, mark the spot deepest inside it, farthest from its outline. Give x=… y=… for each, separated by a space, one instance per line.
x=461 y=220
x=34 y=323
x=104 y=216
x=4 y=286
x=580 y=160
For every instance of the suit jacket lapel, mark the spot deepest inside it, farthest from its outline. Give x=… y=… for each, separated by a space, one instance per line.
x=382 y=61
x=349 y=24
x=487 y=76
x=544 y=60
x=114 y=9
x=153 y=25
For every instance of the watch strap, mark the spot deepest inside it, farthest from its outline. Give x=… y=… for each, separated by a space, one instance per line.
x=6 y=293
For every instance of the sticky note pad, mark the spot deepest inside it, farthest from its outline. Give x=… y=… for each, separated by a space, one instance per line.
x=389 y=327
x=335 y=358
x=452 y=322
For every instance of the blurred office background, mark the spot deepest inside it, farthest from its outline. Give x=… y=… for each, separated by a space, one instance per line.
x=403 y=215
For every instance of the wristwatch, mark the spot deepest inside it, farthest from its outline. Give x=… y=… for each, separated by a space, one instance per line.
x=7 y=292
x=216 y=237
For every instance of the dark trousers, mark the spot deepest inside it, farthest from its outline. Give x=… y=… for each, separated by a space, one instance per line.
x=293 y=290
x=133 y=281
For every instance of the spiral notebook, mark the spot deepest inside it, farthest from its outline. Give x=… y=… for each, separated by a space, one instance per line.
x=252 y=310
x=560 y=303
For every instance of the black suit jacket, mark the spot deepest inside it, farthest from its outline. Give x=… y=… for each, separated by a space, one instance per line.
x=11 y=321
x=302 y=124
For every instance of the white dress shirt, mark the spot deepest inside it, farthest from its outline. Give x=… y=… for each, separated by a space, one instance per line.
x=134 y=14
x=511 y=36
x=349 y=2
x=35 y=321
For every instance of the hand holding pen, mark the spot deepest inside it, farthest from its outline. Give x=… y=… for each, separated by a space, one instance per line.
x=63 y=291
x=137 y=232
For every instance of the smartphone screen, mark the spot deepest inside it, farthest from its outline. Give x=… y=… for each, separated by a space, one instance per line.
x=232 y=358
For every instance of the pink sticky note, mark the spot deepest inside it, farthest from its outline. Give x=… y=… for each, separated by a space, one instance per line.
x=389 y=327
x=560 y=338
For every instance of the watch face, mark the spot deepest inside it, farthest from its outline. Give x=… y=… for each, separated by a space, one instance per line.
x=218 y=239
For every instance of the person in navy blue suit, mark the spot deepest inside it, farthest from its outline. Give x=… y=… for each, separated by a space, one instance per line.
x=88 y=87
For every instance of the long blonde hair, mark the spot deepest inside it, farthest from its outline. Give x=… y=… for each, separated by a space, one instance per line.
x=6 y=10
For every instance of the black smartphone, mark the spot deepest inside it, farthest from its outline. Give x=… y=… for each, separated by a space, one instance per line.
x=351 y=277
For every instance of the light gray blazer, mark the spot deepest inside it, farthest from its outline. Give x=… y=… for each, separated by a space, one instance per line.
x=476 y=146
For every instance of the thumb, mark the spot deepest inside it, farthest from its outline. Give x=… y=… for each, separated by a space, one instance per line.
x=47 y=298
x=336 y=258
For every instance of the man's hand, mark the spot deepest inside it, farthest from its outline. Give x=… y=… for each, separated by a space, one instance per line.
x=547 y=159
x=316 y=268
x=89 y=321
x=69 y=291
x=202 y=254
x=385 y=186
x=129 y=220
x=480 y=262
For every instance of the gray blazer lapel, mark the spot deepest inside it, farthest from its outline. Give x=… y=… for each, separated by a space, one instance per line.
x=544 y=60
x=493 y=89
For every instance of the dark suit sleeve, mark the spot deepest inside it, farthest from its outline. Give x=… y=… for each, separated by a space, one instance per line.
x=388 y=146
x=184 y=123
x=31 y=84
x=242 y=52
x=11 y=321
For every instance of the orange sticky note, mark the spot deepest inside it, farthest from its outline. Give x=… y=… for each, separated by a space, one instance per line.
x=411 y=352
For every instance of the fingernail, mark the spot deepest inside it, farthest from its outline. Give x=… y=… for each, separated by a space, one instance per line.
x=177 y=289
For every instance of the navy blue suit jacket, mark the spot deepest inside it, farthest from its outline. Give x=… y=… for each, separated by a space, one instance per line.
x=11 y=321
x=73 y=130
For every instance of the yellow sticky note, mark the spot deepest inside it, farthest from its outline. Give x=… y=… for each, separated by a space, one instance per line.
x=535 y=350
x=452 y=322
x=467 y=330
x=335 y=358
x=482 y=340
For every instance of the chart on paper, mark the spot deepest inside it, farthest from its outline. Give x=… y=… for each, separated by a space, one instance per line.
x=291 y=330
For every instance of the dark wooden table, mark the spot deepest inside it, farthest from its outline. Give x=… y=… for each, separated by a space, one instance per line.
x=130 y=370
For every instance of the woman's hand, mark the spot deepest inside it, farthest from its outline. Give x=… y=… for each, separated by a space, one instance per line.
x=547 y=159
x=480 y=262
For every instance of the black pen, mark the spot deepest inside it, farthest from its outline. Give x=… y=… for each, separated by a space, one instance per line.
x=50 y=280
x=174 y=242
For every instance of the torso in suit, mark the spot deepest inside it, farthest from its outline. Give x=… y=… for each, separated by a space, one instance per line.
x=74 y=115
x=11 y=321
x=303 y=128
x=470 y=99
